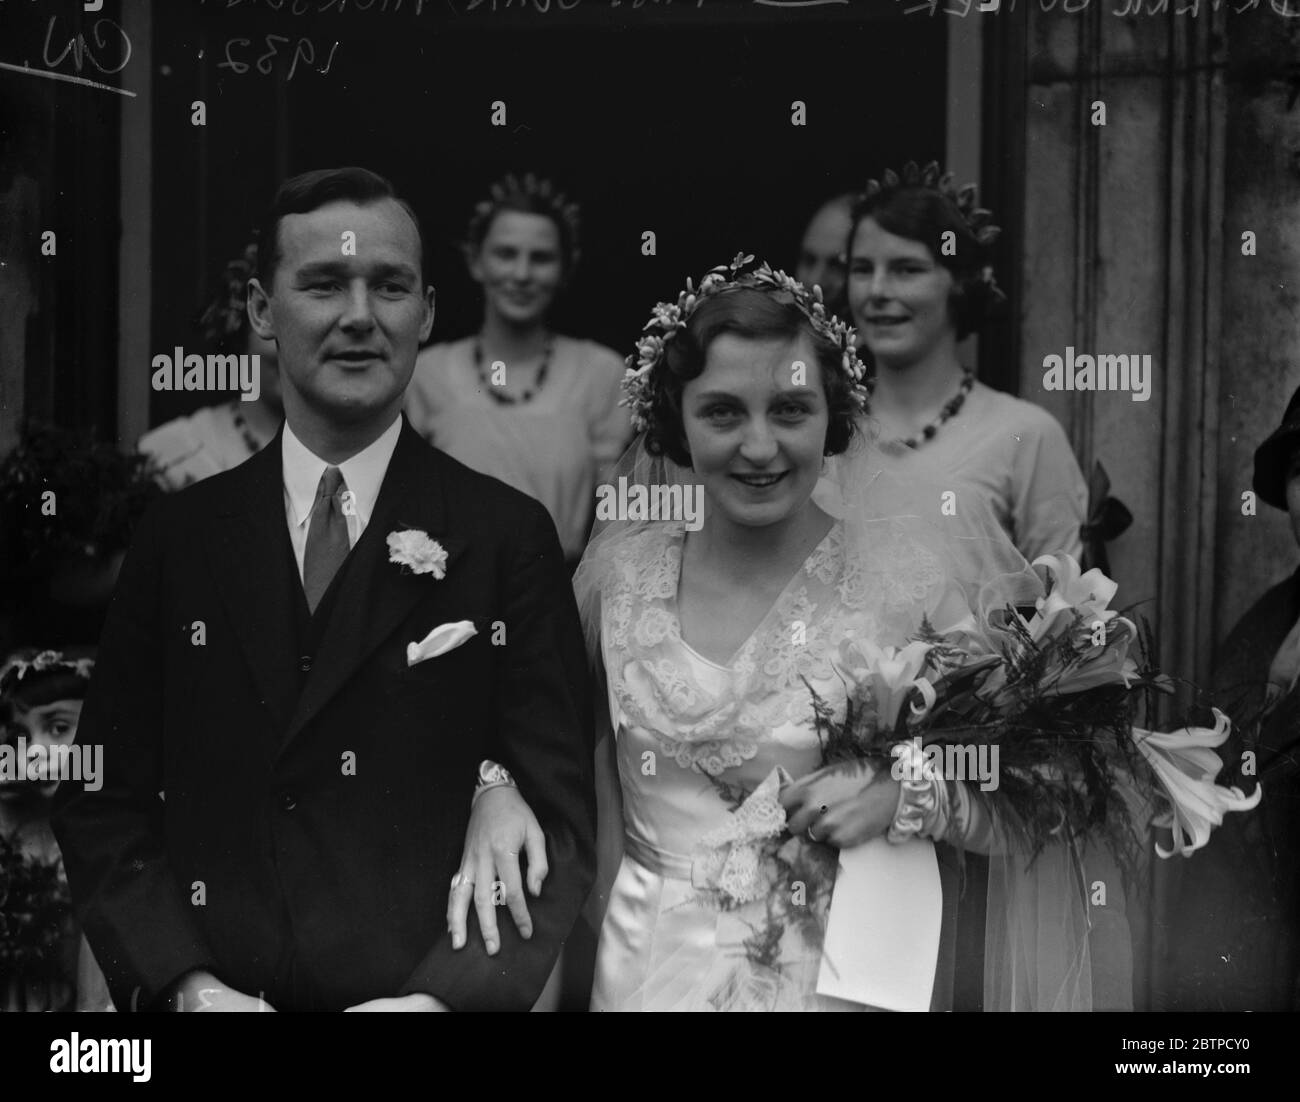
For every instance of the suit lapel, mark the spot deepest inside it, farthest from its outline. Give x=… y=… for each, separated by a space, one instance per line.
x=252 y=561
x=375 y=595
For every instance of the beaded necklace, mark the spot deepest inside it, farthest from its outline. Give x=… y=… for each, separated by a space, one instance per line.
x=497 y=392
x=950 y=410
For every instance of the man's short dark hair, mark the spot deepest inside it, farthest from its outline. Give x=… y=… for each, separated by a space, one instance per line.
x=312 y=190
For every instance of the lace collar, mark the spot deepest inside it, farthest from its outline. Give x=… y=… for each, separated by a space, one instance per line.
x=715 y=718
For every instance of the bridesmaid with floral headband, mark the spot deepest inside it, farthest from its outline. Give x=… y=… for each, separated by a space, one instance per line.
x=919 y=283
x=535 y=408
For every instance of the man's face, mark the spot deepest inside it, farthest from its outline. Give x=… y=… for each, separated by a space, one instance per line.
x=821 y=255
x=346 y=309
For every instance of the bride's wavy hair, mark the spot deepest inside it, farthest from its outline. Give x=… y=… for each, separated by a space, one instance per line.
x=753 y=315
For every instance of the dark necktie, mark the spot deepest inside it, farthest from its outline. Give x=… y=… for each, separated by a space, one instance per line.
x=327 y=537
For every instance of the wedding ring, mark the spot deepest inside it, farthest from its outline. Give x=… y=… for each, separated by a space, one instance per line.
x=460 y=880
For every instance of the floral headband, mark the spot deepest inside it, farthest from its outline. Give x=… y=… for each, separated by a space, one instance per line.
x=17 y=668
x=668 y=319
x=964 y=199
x=530 y=187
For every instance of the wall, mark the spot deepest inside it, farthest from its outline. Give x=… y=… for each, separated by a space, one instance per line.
x=1261 y=300
x=1132 y=243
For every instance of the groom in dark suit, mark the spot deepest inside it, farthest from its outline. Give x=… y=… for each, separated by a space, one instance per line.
x=286 y=775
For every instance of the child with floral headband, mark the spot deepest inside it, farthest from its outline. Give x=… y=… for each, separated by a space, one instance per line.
x=44 y=962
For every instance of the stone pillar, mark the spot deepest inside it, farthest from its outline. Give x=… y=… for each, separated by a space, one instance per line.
x=1123 y=254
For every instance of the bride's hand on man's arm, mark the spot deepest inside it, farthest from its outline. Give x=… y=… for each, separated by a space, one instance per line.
x=501 y=827
x=844 y=804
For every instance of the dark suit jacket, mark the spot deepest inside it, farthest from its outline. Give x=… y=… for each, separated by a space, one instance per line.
x=268 y=859
x=1234 y=932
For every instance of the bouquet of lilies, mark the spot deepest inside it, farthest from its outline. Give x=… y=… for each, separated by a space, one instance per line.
x=1054 y=695
x=1051 y=695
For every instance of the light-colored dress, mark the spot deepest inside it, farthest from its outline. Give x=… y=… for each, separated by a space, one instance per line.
x=1016 y=456
x=551 y=447
x=692 y=734
x=209 y=441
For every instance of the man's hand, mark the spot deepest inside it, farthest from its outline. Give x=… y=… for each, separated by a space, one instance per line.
x=202 y=991
x=501 y=826
x=419 y=1003
x=844 y=804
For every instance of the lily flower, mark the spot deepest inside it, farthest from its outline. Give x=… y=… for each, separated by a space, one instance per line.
x=1072 y=591
x=1185 y=764
x=1096 y=666
x=891 y=675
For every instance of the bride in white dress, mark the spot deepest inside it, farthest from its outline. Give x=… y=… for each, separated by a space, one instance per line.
x=738 y=602
x=711 y=639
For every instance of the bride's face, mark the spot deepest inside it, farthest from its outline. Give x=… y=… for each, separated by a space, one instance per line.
x=756 y=427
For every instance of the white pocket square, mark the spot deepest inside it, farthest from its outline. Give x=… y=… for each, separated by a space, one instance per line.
x=440 y=640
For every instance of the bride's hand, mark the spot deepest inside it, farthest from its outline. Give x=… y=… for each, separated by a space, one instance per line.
x=845 y=804
x=501 y=827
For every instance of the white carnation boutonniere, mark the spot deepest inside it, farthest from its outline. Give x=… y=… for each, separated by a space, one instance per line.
x=414 y=550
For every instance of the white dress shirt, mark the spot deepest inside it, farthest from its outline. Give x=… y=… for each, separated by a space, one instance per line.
x=363 y=474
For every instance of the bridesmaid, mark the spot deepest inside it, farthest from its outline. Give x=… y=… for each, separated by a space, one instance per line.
x=516 y=400
x=913 y=301
x=217 y=438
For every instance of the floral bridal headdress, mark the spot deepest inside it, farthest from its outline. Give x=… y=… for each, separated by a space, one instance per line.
x=670 y=318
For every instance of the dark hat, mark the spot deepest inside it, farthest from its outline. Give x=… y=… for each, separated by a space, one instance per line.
x=1273 y=456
